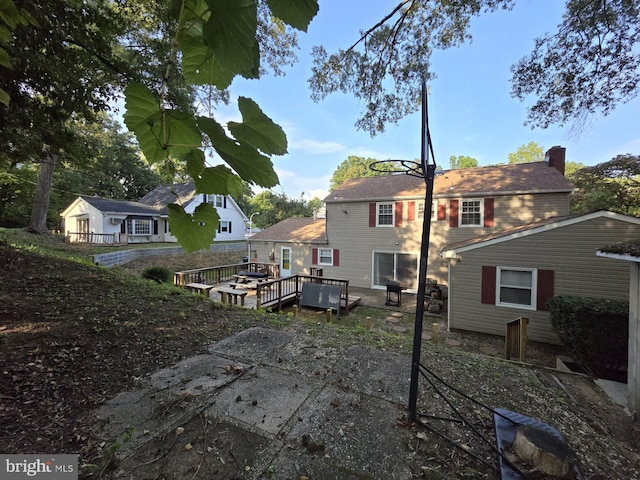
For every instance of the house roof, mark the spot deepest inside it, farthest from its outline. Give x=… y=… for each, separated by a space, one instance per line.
x=161 y=196
x=121 y=206
x=308 y=230
x=535 y=177
x=546 y=224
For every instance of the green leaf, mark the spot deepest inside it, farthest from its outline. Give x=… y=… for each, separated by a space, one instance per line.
x=199 y=65
x=218 y=179
x=230 y=32
x=160 y=133
x=258 y=130
x=5 y=60
x=194 y=232
x=297 y=13
x=4 y=97
x=241 y=156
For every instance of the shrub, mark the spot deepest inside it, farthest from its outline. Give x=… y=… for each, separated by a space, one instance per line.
x=158 y=274
x=595 y=330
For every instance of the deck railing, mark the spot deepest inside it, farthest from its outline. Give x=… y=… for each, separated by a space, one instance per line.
x=223 y=273
x=270 y=293
x=273 y=293
x=516 y=339
x=98 y=238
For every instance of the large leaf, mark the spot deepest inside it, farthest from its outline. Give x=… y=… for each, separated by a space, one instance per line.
x=218 y=179
x=241 y=156
x=199 y=66
x=297 y=13
x=160 y=134
x=194 y=232
x=5 y=60
x=4 y=97
x=258 y=130
x=230 y=32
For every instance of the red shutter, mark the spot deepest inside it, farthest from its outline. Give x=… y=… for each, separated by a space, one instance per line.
x=453 y=213
x=442 y=211
x=336 y=257
x=314 y=256
x=488 y=213
x=488 y=294
x=372 y=214
x=411 y=211
x=398 y=215
x=545 y=288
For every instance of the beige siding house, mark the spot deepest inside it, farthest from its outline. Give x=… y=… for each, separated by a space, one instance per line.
x=489 y=226
x=500 y=277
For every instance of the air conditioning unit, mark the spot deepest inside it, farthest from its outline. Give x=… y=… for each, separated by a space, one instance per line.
x=116 y=221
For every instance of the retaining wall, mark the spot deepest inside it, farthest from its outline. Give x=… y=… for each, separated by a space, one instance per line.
x=120 y=257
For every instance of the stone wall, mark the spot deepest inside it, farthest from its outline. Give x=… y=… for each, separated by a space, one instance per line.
x=120 y=257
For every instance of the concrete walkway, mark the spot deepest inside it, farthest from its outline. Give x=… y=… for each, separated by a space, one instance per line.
x=266 y=401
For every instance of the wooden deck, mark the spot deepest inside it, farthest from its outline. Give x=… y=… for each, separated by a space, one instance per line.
x=273 y=293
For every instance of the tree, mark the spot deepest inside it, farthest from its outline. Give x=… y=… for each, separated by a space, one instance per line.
x=531 y=152
x=166 y=54
x=589 y=65
x=356 y=167
x=462 y=161
x=274 y=208
x=611 y=185
x=62 y=64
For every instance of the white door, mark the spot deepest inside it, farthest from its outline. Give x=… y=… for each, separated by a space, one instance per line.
x=285 y=262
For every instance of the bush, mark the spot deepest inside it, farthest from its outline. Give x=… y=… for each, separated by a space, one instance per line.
x=158 y=274
x=595 y=330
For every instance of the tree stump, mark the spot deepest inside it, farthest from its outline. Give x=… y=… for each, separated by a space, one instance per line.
x=545 y=452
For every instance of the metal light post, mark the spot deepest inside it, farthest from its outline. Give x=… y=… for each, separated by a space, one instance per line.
x=248 y=244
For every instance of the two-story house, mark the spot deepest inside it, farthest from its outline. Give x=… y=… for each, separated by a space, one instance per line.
x=502 y=241
x=147 y=220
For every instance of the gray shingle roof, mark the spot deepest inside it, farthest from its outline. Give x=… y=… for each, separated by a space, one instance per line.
x=309 y=230
x=161 y=196
x=122 y=206
x=496 y=180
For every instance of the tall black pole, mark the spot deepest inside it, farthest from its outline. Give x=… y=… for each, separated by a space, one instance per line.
x=429 y=170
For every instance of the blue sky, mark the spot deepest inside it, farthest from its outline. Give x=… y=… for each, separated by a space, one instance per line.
x=470 y=109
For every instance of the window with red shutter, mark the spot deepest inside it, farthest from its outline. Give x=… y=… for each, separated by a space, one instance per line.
x=488 y=213
x=453 y=213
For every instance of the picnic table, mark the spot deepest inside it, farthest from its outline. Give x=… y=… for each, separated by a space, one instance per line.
x=203 y=288
x=227 y=294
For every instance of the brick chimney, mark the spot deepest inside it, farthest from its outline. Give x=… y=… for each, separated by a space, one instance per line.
x=555 y=157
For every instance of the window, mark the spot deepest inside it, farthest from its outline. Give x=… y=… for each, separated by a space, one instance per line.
x=516 y=287
x=83 y=225
x=471 y=213
x=420 y=210
x=325 y=256
x=385 y=214
x=138 y=226
x=216 y=200
x=225 y=227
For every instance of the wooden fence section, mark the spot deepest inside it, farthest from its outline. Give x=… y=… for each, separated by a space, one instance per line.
x=224 y=273
x=97 y=238
x=280 y=291
x=516 y=339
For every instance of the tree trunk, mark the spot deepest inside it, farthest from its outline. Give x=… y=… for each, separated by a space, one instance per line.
x=38 y=221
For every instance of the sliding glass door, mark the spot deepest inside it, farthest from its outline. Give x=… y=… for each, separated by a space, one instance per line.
x=399 y=267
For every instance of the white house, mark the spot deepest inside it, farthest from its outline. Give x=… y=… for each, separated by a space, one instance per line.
x=101 y=220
